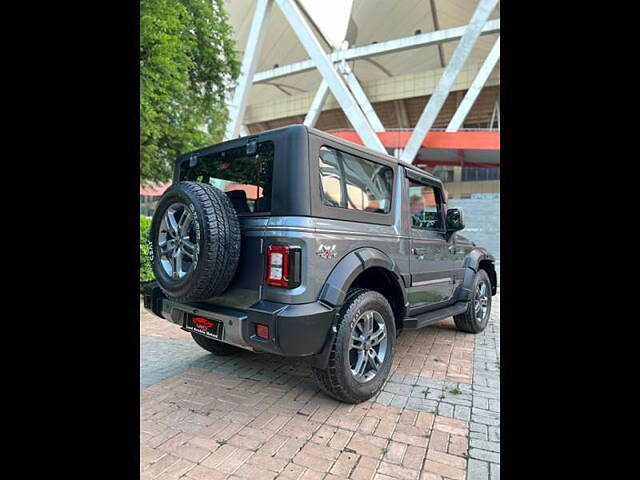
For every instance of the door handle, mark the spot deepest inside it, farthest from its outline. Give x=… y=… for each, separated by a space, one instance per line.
x=418 y=252
x=452 y=249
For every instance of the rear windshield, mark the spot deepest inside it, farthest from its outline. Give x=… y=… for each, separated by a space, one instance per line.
x=246 y=179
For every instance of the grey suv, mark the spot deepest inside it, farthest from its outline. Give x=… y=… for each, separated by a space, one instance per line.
x=297 y=243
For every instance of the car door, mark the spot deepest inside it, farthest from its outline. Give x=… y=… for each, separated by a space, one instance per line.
x=431 y=263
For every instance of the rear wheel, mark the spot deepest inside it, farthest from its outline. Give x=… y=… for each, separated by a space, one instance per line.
x=362 y=351
x=476 y=317
x=215 y=347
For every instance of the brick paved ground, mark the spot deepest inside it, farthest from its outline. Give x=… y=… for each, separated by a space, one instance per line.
x=261 y=416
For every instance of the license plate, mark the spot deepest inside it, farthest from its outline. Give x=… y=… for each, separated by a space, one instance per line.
x=204 y=326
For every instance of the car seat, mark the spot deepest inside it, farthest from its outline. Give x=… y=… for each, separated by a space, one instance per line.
x=239 y=200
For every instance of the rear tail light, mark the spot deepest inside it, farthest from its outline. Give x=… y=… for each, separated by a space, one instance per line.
x=283 y=266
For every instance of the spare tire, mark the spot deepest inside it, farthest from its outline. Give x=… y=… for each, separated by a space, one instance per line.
x=195 y=237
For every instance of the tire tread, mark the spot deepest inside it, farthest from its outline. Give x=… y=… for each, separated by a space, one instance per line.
x=327 y=379
x=466 y=321
x=217 y=264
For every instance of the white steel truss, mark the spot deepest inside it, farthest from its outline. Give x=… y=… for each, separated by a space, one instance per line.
x=366 y=51
x=335 y=82
x=339 y=79
x=360 y=96
x=316 y=106
x=475 y=88
x=248 y=68
x=458 y=59
x=357 y=91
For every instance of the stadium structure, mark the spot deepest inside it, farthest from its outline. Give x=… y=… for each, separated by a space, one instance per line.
x=418 y=79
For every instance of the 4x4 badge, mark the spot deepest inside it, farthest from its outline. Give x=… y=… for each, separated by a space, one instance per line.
x=326 y=251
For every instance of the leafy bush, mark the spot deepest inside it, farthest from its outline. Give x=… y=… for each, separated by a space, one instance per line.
x=146 y=273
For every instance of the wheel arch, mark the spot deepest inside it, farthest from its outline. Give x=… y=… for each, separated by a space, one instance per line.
x=366 y=268
x=478 y=259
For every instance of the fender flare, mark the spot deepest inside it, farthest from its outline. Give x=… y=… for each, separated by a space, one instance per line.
x=471 y=267
x=334 y=290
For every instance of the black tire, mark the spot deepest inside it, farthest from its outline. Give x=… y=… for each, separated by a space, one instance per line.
x=215 y=347
x=337 y=380
x=467 y=321
x=215 y=232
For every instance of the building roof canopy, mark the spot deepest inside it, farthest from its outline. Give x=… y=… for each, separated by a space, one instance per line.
x=370 y=21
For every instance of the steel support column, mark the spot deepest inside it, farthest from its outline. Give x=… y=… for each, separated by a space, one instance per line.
x=335 y=82
x=475 y=88
x=360 y=96
x=457 y=61
x=316 y=106
x=436 y=26
x=401 y=113
x=248 y=68
x=357 y=91
x=493 y=115
x=397 y=45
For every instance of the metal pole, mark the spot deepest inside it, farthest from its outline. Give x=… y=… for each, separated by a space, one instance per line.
x=335 y=82
x=316 y=106
x=361 y=97
x=459 y=57
x=493 y=115
x=248 y=68
x=366 y=51
x=476 y=86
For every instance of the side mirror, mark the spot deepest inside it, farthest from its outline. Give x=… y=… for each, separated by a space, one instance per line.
x=455 y=220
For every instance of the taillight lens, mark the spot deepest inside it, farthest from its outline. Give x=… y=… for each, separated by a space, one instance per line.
x=277 y=266
x=283 y=266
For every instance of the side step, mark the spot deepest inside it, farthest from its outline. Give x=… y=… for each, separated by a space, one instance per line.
x=427 y=318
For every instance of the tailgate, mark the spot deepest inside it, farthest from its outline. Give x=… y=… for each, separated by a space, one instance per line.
x=245 y=287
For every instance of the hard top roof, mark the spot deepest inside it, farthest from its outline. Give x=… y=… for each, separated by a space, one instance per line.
x=319 y=133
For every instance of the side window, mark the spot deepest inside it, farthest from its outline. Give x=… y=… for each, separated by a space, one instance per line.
x=331 y=186
x=354 y=183
x=425 y=205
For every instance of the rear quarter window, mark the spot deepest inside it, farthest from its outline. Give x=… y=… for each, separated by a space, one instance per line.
x=353 y=183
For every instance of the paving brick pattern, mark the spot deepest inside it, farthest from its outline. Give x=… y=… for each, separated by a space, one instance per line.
x=152 y=326
x=484 y=426
x=440 y=353
x=262 y=417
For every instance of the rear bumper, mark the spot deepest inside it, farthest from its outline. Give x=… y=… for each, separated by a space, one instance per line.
x=294 y=330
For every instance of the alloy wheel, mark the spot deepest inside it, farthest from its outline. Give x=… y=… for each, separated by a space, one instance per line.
x=481 y=302
x=177 y=241
x=367 y=346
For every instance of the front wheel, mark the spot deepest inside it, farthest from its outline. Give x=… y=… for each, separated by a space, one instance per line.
x=362 y=351
x=476 y=317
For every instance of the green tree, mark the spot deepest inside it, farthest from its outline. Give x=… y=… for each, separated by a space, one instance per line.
x=187 y=64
